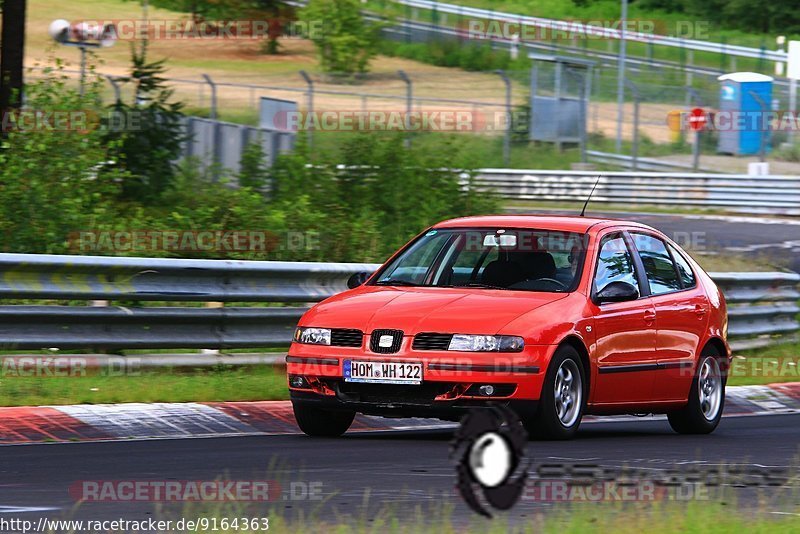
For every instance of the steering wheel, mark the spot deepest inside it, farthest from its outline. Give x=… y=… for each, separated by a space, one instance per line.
x=559 y=283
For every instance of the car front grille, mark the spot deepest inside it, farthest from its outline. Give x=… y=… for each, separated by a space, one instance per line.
x=346 y=337
x=375 y=339
x=393 y=394
x=431 y=341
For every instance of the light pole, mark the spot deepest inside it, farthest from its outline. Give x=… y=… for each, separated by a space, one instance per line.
x=621 y=75
x=83 y=36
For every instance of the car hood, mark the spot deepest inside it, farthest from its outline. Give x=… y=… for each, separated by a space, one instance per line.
x=426 y=309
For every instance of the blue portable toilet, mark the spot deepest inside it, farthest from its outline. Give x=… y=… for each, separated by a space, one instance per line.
x=745 y=99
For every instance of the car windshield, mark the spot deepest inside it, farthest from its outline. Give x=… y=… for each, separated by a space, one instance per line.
x=494 y=258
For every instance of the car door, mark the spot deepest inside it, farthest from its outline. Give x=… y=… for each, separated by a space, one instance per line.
x=625 y=351
x=681 y=313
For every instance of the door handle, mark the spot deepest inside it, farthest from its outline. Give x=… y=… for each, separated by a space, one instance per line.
x=649 y=316
x=699 y=310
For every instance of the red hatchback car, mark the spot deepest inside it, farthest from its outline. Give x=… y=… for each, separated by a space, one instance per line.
x=556 y=317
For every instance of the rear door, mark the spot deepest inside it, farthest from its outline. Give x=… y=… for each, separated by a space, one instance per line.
x=681 y=313
x=625 y=331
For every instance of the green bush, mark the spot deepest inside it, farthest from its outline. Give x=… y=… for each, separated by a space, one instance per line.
x=475 y=57
x=50 y=180
x=363 y=197
x=382 y=194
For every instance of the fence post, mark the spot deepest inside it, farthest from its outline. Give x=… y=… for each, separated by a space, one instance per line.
x=115 y=84
x=507 y=138
x=635 y=145
x=310 y=94
x=409 y=103
x=695 y=97
x=213 y=86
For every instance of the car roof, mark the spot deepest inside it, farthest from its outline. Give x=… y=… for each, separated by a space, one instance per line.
x=564 y=223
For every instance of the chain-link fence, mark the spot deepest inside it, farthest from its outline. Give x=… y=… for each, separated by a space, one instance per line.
x=457 y=101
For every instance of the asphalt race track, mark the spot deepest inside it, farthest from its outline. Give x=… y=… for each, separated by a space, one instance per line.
x=400 y=468
x=773 y=239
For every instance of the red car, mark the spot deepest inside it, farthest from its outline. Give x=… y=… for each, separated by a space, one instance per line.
x=556 y=317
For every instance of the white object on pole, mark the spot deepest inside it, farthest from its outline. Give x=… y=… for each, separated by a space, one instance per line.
x=514 y=48
x=758 y=168
x=793 y=61
x=59 y=30
x=83 y=33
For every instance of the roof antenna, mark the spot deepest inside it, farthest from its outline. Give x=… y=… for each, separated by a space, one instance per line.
x=583 y=211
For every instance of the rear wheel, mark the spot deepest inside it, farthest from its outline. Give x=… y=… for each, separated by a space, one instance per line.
x=320 y=422
x=703 y=411
x=562 y=400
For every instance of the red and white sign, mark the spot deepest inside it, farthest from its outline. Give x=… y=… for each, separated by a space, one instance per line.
x=698 y=119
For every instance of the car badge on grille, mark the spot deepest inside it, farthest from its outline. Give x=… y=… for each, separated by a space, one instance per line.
x=385 y=341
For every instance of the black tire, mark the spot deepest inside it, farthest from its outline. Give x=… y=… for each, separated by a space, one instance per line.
x=699 y=416
x=547 y=423
x=319 y=422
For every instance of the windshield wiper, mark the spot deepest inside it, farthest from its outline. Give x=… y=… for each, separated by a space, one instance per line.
x=395 y=282
x=479 y=284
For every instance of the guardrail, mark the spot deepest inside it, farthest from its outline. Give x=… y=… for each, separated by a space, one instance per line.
x=640 y=163
x=738 y=192
x=578 y=28
x=762 y=305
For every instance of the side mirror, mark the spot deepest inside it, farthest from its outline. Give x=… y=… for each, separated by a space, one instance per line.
x=617 y=292
x=357 y=279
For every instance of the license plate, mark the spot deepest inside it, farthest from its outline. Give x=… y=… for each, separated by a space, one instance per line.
x=382 y=372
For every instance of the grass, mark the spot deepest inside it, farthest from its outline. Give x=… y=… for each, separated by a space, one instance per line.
x=770 y=365
x=254 y=383
x=193 y=385
x=666 y=23
x=708 y=517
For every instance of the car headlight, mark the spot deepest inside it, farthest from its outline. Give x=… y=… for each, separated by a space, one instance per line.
x=313 y=336
x=466 y=343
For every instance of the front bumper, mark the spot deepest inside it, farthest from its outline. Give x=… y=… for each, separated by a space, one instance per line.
x=450 y=383
x=445 y=410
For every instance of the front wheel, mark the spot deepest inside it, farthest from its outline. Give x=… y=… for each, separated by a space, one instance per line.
x=706 y=399
x=319 y=422
x=562 y=400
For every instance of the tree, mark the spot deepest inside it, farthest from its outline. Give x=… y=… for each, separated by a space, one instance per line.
x=275 y=12
x=150 y=144
x=345 y=41
x=49 y=180
x=12 y=52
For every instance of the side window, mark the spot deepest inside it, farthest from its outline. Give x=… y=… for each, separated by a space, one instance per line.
x=687 y=275
x=658 y=265
x=614 y=264
x=418 y=259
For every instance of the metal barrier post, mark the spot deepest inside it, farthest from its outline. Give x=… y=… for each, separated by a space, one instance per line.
x=409 y=103
x=621 y=74
x=309 y=129
x=213 y=86
x=507 y=137
x=762 y=147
